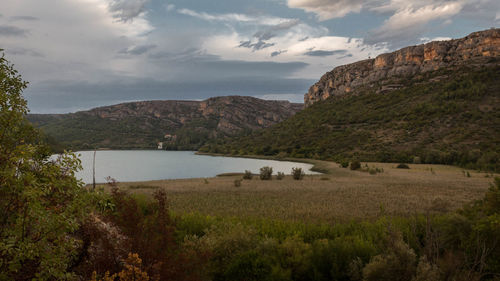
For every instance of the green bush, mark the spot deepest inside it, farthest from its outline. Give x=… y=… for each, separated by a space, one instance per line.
x=355 y=165
x=344 y=164
x=237 y=183
x=280 y=176
x=266 y=173
x=297 y=173
x=248 y=175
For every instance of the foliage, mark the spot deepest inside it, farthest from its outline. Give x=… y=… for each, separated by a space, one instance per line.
x=132 y=272
x=41 y=202
x=247 y=175
x=355 y=165
x=280 y=175
x=266 y=173
x=297 y=173
x=449 y=116
x=237 y=183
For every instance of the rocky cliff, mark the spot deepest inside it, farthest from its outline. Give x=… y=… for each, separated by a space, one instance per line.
x=178 y=124
x=385 y=70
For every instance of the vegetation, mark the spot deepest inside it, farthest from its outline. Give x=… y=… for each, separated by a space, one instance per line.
x=248 y=175
x=266 y=173
x=280 y=176
x=450 y=116
x=403 y=166
x=297 y=173
x=355 y=165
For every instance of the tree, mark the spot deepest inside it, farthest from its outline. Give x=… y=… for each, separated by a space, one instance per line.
x=41 y=201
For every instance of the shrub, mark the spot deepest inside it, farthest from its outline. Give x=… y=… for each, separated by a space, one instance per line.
x=266 y=173
x=355 y=165
x=237 y=183
x=297 y=173
x=280 y=175
x=344 y=164
x=402 y=166
x=398 y=263
x=248 y=175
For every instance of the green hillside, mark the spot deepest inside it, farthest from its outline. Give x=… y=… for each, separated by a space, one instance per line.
x=449 y=116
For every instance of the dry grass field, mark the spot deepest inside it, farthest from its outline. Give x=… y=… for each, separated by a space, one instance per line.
x=338 y=196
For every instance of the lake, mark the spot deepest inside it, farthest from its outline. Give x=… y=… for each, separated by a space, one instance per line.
x=143 y=165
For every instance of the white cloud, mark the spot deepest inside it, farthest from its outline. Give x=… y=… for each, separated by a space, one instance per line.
x=328 y=9
x=235 y=17
x=410 y=21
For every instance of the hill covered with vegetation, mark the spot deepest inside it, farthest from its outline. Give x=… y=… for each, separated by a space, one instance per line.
x=183 y=125
x=447 y=116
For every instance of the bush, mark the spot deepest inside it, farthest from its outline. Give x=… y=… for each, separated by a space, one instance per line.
x=237 y=183
x=403 y=166
x=280 y=175
x=248 y=175
x=297 y=173
x=344 y=164
x=266 y=173
x=355 y=165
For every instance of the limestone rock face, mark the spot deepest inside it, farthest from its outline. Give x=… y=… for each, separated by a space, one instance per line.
x=476 y=48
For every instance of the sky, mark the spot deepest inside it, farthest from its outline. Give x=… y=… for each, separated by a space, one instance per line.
x=80 y=54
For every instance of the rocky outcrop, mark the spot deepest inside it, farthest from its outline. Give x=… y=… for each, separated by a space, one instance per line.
x=476 y=48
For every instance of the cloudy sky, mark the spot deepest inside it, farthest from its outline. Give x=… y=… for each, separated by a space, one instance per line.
x=79 y=54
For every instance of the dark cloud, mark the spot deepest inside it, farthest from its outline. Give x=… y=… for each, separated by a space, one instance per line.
x=23 y=52
x=23 y=18
x=259 y=45
x=58 y=96
x=272 y=31
x=137 y=50
x=9 y=30
x=324 y=53
x=126 y=10
x=277 y=53
x=209 y=76
x=346 y=56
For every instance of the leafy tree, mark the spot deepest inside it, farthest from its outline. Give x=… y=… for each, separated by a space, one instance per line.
x=41 y=202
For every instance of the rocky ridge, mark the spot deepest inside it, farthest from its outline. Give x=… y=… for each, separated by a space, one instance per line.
x=385 y=70
x=183 y=124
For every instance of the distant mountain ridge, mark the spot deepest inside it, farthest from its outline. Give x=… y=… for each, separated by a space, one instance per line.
x=177 y=124
x=475 y=49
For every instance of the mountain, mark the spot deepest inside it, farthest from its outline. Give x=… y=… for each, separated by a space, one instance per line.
x=448 y=113
x=384 y=72
x=178 y=124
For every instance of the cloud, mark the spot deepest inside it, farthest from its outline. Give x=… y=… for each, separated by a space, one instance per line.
x=24 y=18
x=270 y=32
x=127 y=10
x=9 y=30
x=328 y=9
x=409 y=22
x=137 y=50
x=277 y=53
x=19 y=51
x=324 y=53
x=236 y=18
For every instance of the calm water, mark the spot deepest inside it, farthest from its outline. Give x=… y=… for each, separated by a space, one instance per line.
x=141 y=165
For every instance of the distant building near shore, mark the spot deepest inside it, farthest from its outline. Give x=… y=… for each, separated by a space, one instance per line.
x=160 y=145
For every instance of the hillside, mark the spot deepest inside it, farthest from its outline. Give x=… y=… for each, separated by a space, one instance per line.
x=448 y=116
x=178 y=124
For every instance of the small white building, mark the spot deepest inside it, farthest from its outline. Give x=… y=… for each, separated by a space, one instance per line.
x=160 y=145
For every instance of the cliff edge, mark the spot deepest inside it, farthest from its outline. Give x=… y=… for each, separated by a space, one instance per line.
x=475 y=49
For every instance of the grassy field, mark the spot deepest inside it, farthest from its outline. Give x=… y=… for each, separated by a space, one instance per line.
x=338 y=196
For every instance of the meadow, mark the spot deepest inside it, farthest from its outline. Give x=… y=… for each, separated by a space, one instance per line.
x=339 y=195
